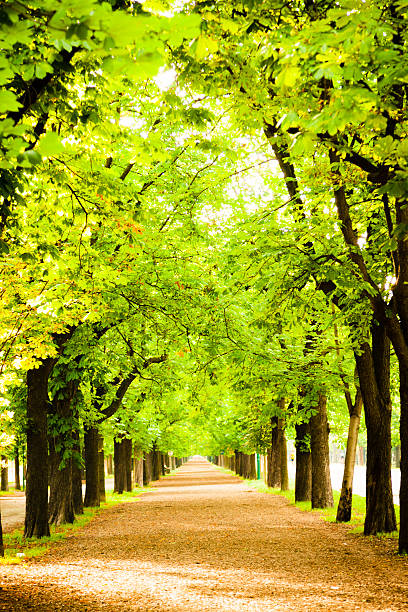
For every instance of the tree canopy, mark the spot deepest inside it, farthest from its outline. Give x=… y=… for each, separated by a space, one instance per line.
x=203 y=220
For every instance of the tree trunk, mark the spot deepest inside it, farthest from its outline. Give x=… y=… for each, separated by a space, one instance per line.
x=60 y=504
x=283 y=456
x=4 y=473
x=166 y=464
x=101 y=469
x=128 y=464
x=119 y=466
x=346 y=495
x=1 y=539
x=232 y=463
x=248 y=466
x=403 y=534
x=109 y=465
x=237 y=462
x=17 y=483
x=156 y=468
x=36 y=517
x=251 y=467
x=397 y=456
x=77 y=499
x=147 y=468
x=244 y=465
x=274 y=457
x=138 y=467
x=322 y=494
x=374 y=375
x=303 y=480
x=91 y=438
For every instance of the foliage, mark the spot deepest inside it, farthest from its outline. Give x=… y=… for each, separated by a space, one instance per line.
x=169 y=201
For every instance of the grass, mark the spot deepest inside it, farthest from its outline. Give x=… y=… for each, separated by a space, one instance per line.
x=11 y=491
x=328 y=514
x=18 y=549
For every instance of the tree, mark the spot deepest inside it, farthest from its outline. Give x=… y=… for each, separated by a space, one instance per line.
x=324 y=101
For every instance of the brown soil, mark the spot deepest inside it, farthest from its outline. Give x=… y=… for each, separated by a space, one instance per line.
x=203 y=540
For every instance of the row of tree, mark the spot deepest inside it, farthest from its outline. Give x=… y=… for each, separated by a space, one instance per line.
x=207 y=259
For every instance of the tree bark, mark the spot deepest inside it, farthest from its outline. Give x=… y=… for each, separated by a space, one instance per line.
x=128 y=464
x=147 y=468
x=166 y=464
x=322 y=494
x=303 y=480
x=252 y=467
x=403 y=533
x=17 y=483
x=77 y=499
x=248 y=466
x=4 y=473
x=156 y=467
x=244 y=465
x=119 y=466
x=238 y=462
x=283 y=456
x=273 y=456
x=60 y=504
x=91 y=439
x=373 y=368
x=346 y=495
x=138 y=467
x=101 y=469
x=109 y=465
x=36 y=518
x=1 y=539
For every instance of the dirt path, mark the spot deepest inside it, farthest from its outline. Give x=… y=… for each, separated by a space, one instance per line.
x=202 y=540
x=12 y=511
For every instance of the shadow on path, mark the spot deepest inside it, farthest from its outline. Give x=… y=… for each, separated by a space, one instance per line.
x=202 y=540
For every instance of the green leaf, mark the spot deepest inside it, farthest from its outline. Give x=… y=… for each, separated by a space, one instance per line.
x=288 y=76
x=28 y=257
x=41 y=70
x=33 y=157
x=205 y=46
x=8 y=102
x=5 y=71
x=50 y=144
x=4 y=248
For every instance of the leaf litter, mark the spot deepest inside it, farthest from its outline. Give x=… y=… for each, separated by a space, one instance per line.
x=201 y=541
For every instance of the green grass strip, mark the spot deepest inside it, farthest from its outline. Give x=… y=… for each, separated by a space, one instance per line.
x=328 y=514
x=18 y=549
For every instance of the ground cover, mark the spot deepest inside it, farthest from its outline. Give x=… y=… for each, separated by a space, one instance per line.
x=329 y=514
x=202 y=539
x=19 y=549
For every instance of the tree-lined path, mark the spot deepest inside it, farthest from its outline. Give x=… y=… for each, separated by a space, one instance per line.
x=203 y=540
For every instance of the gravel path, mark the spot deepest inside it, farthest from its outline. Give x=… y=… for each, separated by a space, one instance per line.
x=203 y=540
